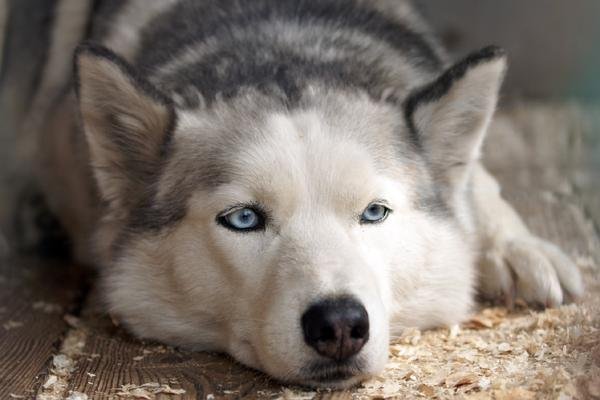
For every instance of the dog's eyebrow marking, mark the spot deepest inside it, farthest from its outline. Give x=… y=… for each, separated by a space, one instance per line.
x=292 y=72
x=429 y=199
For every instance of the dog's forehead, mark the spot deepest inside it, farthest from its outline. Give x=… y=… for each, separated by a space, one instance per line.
x=301 y=154
x=338 y=146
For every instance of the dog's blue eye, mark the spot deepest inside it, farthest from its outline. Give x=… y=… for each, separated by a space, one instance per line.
x=375 y=212
x=242 y=219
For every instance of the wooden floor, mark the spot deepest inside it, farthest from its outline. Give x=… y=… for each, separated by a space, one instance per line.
x=55 y=344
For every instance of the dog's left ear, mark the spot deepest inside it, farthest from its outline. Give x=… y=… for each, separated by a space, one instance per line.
x=448 y=118
x=127 y=122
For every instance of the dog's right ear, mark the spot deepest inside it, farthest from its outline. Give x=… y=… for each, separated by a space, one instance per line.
x=448 y=118
x=127 y=123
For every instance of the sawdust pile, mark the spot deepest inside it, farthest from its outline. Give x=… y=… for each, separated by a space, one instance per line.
x=519 y=355
x=522 y=356
x=63 y=365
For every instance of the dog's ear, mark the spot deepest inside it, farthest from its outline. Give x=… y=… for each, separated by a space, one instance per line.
x=127 y=123
x=448 y=118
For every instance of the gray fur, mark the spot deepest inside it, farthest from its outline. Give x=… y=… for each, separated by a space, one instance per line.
x=284 y=44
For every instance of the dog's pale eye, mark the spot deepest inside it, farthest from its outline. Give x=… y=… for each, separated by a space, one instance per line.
x=375 y=212
x=242 y=219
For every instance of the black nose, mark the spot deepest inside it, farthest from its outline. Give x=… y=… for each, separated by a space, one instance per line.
x=336 y=328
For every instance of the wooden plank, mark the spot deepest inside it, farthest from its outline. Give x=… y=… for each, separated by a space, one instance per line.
x=34 y=296
x=111 y=361
x=111 y=358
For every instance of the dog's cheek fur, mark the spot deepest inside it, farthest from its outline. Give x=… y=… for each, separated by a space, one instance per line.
x=176 y=285
x=420 y=255
x=150 y=287
x=433 y=261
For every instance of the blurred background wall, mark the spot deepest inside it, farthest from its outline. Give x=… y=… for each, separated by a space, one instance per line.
x=553 y=45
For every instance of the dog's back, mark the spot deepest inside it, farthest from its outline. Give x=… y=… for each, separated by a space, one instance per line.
x=220 y=46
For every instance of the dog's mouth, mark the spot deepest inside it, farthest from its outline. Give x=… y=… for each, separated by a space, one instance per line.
x=332 y=374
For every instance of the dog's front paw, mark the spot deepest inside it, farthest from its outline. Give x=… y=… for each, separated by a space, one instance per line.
x=529 y=268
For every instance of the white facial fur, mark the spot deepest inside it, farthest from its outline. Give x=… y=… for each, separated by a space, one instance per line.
x=244 y=293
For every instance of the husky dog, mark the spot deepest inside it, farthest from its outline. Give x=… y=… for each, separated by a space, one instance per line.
x=287 y=181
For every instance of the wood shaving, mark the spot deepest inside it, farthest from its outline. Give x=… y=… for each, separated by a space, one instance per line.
x=289 y=394
x=147 y=391
x=77 y=396
x=63 y=365
x=156 y=349
x=48 y=308
x=10 y=324
x=409 y=336
x=426 y=390
x=51 y=381
x=74 y=343
x=460 y=379
x=487 y=318
x=514 y=394
x=504 y=347
x=53 y=388
x=72 y=321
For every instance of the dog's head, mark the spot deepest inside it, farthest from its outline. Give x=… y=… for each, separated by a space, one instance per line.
x=291 y=238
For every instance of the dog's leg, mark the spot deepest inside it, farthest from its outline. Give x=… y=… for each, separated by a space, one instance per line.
x=514 y=262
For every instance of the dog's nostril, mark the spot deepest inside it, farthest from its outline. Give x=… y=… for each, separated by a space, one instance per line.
x=327 y=333
x=360 y=331
x=336 y=328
